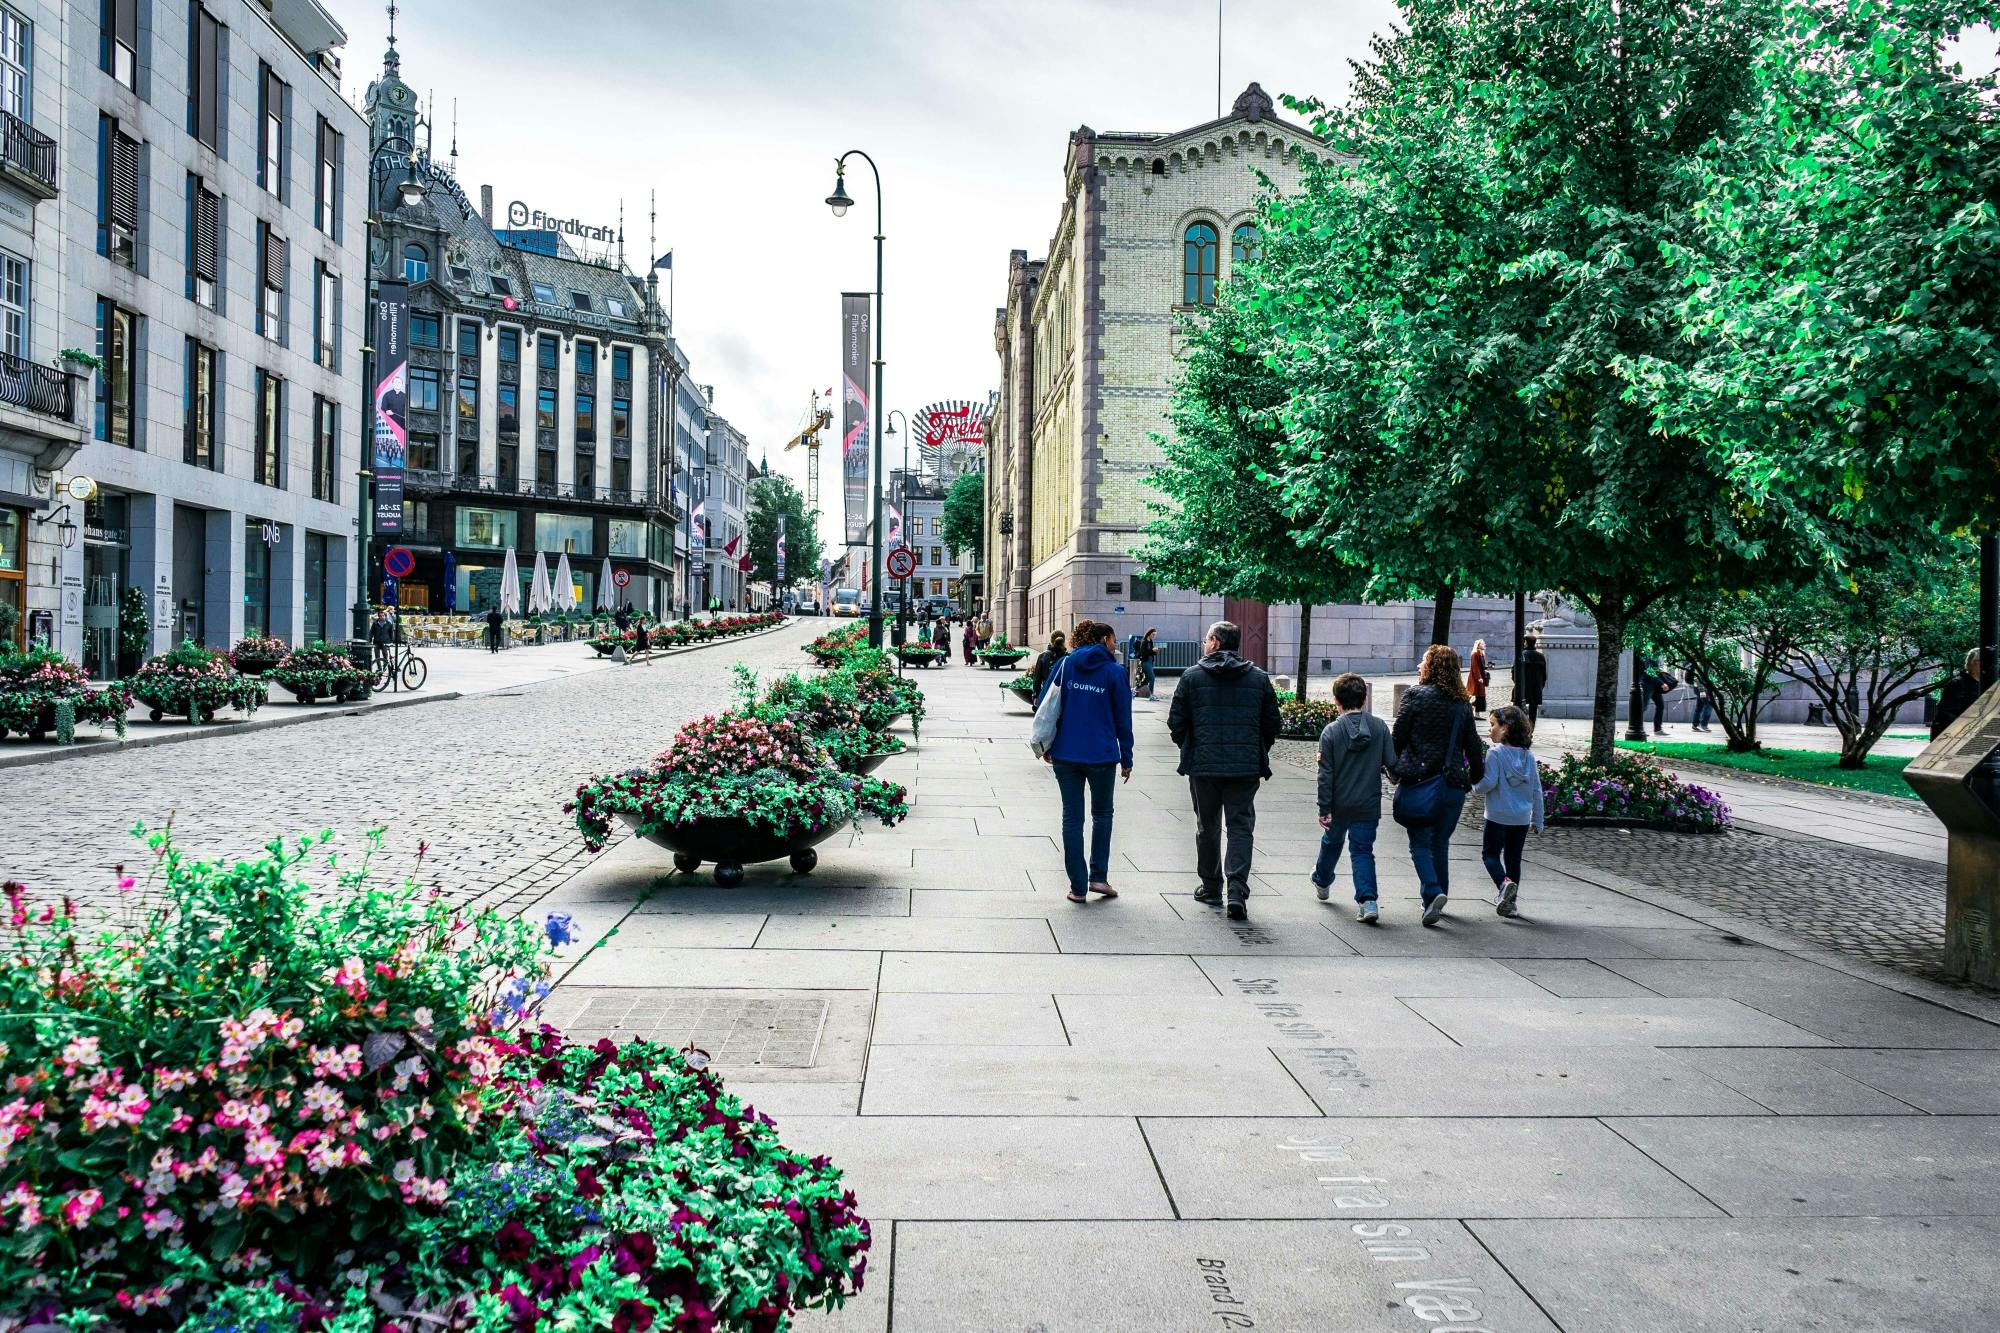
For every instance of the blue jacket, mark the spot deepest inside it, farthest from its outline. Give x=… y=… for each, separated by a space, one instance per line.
x=1512 y=786
x=1096 y=724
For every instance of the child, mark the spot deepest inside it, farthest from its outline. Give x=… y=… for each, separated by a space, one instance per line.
x=1354 y=752
x=1512 y=786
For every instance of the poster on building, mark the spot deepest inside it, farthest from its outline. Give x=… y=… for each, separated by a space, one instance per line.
x=854 y=442
x=778 y=575
x=391 y=395
x=956 y=426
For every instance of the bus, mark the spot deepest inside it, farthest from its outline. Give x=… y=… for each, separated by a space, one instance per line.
x=847 y=601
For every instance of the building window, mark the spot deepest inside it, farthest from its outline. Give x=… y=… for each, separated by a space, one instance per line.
x=13 y=304
x=621 y=419
x=256 y=579
x=117 y=193
x=332 y=167
x=1198 y=265
x=545 y=352
x=937 y=555
x=615 y=307
x=468 y=339
x=118 y=381
x=205 y=77
x=326 y=316
x=424 y=452
x=273 y=258
x=621 y=363
x=269 y=465
x=627 y=537
x=423 y=389
x=586 y=359
x=199 y=445
x=564 y=532
x=545 y=467
x=1246 y=243
x=621 y=478
x=16 y=49
x=543 y=292
x=426 y=330
x=273 y=131
x=510 y=410
x=468 y=457
x=586 y=417
x=1144 y=590
x=545 y=409
x=416 y=263
x=510 y=347
x=468 y=397
x=203 y=242
x=507 y=464
x=581 y=300
x=326 y=447
x=118 y=44
x=486 y=527
x=502 y=287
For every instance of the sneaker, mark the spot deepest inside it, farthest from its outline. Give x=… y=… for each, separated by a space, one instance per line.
x=1238 y=910
x=1509 y=890
x=1368 y=915
x=1322 y=890
x=1433 y=910
x=1212 y=897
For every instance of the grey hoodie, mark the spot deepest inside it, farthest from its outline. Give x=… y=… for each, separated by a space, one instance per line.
x=1512 y=786
x=1354 y=752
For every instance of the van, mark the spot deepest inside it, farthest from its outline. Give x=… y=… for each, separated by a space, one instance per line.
x=847 y=601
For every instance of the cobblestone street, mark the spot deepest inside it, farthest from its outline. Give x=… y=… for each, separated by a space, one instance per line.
x=481 y=780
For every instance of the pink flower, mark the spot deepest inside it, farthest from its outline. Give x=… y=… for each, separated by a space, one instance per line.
x=78 y=1209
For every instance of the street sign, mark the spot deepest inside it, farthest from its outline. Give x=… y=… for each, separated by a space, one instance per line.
x=399 y=562
x=901 y=562
x=621 y=578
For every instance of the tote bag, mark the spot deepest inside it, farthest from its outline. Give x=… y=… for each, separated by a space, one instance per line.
x=1416 y=802
x=1048 y=713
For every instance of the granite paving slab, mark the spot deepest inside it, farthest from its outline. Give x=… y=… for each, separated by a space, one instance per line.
x=1110 y=1020
x=910 y=934
x=1843 y=1009
x=1514 y=1081
x=1791 y=1082
x=1471 y=929
x=800 y=1036
x=1309 y=978
x=801 y=969
x=931 y=1019
x=686 y=930
x=1105 y=927
x=811 y=896
x=1070 y=1080
x=1576 y=978
x=1940 y=1082
x=1646 y=1021
x=1047 y=974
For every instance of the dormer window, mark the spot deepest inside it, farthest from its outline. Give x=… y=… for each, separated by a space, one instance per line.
x=615 y=307
x=416 y=263
x=581 y=300
x=502 y=287
x=544 y=293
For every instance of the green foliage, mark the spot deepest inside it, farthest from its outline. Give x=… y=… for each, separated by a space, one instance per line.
x=1304 y=718
x=10 y=624
x=190 y=681
x=1881 y=774
x=965 y=516
x=135 y=625
x=40 y=688
x=320 y=671
x=771 y=496
x=1578 y=788
x=1730 y=644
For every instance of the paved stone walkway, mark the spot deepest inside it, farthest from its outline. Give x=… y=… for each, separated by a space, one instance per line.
x=1604 y=1117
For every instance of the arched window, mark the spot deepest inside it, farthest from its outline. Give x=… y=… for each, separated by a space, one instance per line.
x=1245 y=244
x=1198 y=265
x=416 y=263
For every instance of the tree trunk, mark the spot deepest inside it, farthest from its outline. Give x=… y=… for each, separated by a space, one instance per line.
x=1610 y=612
x=1305 y=646
x=1441 y=617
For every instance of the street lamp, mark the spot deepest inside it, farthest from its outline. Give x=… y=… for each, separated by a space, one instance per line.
x=839 y=202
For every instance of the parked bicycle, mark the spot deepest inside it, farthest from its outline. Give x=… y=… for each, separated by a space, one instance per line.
x=397 y=667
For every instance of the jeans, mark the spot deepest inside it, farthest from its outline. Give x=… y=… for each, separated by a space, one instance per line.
x=1071 y=779
x=1659 y=712
x=1430 y=844
x=1359 y=835
x=1500 y=847
x=1703 y=710
x=1219 y=804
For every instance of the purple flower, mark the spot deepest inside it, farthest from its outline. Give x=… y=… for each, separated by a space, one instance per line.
x=561 y=928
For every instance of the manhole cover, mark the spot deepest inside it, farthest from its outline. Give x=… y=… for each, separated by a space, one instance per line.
x=781 y=1032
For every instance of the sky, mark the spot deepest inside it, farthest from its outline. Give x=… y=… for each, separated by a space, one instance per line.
x=734 y=111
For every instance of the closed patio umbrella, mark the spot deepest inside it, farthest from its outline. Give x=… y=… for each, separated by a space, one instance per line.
x=604 y=599
x=538 y=586
x=450 y=583
x=510 y=585
x=565 y=589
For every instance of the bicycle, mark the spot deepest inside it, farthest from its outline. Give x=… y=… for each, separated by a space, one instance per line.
x=399 y=668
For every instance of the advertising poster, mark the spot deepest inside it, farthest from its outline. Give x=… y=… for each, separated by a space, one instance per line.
x=854 y=320
x=390 y=401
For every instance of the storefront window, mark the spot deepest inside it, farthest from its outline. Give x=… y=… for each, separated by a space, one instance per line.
x=256 y=580
x=556 y=533
x=628 y=538
x=315 y=586
x=479 y=588
x=13 y=586
x=487 y=527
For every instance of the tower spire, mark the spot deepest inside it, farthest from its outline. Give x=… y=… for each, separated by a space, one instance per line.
x=454 y=136
x=621 y=234
x=653 y=255
x=392 y=63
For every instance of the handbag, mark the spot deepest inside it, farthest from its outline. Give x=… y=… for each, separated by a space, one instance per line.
x=1048 y=713
x=1416 y=802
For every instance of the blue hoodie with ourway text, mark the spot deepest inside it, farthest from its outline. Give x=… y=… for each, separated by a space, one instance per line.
x=1096 y=722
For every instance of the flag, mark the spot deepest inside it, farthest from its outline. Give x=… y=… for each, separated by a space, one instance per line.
x=895 y=524
x=665 y=261
x=730 y=547
x=744 y=564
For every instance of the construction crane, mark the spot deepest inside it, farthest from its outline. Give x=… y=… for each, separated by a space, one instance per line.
x=817 y=419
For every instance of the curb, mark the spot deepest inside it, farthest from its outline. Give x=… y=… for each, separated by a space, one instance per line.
x=318 y=714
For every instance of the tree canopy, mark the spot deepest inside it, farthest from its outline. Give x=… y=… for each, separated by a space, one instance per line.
x=770 y=496
x=965 y=516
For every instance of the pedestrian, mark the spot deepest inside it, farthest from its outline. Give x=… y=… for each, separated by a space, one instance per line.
x=641 y=642
x=1475 y=676
x=1959 y=693
x=985 y=629
x=1143 y=653
x=1660 y=684
x=941 y=640
x=1532 y=676
x=1046 y=663
x=1355 y=753
x=622 y=618
x=1093 y=736
x=496 y=628
x=1512 y=786
x=382 y=633
x=970 y=643
x=1438 y=757
x=1704 y=702
x=1224 y=718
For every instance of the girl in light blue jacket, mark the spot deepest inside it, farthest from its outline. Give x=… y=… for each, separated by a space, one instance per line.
x=1512 y=786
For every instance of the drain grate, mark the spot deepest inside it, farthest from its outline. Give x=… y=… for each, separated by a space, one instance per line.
x=777 y=1032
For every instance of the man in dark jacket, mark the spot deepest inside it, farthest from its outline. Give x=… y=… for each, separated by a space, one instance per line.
x=1224 y=718
x=496 y=626
x=1959 y=693
x=1534 y=676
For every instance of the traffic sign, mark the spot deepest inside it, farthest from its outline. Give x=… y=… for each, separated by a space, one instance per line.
x=621 y=577
x=902 y=562
x=399 y=562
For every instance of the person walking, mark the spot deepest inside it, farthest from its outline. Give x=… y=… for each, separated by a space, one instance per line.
x=1660 y=684
x=1355 y=753
x=1143 y=653
x=1093 y=736
x=969 y=643
x=382 y=633
x=623 y=618
x=1435 y=738
x=1512 y=786
x=496 y=629
x=1224 y=718
x=1959 y=693
x=1704 y=702
x=1475 y=676
x=941 y=640
x=1532 y=676
x=1057 y=650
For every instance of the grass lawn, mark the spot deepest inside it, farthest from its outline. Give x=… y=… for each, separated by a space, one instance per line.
x=1883 y=775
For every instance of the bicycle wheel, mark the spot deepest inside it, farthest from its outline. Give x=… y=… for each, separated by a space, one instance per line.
x=385 y=674
x=414 y=672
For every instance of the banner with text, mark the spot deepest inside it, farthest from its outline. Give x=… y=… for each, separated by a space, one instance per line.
x=778 y=574
x=854 y=317
x=390 y=401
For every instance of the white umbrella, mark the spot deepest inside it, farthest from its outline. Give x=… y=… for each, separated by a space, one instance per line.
x=510 y=585
x=565 y=584
x=538 y=587
x=604 y=586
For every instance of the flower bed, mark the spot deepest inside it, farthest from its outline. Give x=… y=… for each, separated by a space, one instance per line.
x=1304 y=718
x=837 y=647
x=1575 y=790
x=884 y=695
x=268 y=1105
x=828 y=708
x=679 y=633
x=255 y=656
x=320 y=672
x=999 y=655
x=192 y=682
x=43 y=692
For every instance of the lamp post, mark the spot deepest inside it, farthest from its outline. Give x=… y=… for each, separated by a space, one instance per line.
x=839 y=202
x=903 y=613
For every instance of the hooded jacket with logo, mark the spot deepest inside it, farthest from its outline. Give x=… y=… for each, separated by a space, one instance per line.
x=1355 y=751
x=1096 y=722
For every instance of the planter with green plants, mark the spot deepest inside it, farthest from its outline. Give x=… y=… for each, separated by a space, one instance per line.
x=1022 y=688
x=257 y=654
x=192 y=682
x=1000 y=655
x=43 y=693
x=321 y=671
x=919 y=655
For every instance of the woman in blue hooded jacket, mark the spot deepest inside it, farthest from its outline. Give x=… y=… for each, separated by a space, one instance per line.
x=1093 y=736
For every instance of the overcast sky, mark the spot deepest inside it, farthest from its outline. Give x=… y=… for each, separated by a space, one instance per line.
x=735 y=110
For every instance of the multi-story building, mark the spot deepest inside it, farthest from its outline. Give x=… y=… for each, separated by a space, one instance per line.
x=919 y=498
x=725 y=486
x=213 y=212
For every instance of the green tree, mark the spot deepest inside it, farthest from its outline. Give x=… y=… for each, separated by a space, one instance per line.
x=770 y=496
x=965 y=517
x=1729 y=643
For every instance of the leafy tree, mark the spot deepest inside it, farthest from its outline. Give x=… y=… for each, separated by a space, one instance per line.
x=965 y=516
x=1730 y=644
x=770 y=496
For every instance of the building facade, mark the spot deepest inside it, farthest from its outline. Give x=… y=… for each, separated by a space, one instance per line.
x=724 y=483
x=212 y=201
x=918 y=499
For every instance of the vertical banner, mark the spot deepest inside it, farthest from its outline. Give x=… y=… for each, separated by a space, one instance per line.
x=778 y=574
x=854 y=319
x=390 y=395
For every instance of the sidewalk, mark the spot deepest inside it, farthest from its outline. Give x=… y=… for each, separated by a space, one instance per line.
x=1615 y=1113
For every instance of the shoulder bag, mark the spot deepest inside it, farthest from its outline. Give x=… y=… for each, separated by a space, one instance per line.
x=1416 y=802
x=1048 y=713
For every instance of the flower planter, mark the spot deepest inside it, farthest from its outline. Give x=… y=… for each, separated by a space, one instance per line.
x=868 y=763
x=1025 y=693
x=256 y=666
x=1002 y=661
x=733 y=843
x=919 y=657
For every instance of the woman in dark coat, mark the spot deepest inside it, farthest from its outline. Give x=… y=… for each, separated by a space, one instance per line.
x=1057 y=650
x=1534 y=674
x=1435 y=708
x=970 y=641
x=1475 y=676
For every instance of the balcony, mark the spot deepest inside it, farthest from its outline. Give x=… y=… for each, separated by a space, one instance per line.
x=27 y=156
x=43 y=390
x=437 y=483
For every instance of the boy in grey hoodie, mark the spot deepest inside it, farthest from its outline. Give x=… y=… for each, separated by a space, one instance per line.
x=1512 y=786
x=1355 y=751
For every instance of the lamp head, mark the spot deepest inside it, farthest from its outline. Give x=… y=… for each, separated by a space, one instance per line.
x=839 y=201
x=410 y=190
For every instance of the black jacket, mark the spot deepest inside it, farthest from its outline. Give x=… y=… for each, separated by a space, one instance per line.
x=1423 y=734
x=1224 y=717
x=1043 y=666
x=382 y=634
x=1959 y=693
x=1534 y=675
